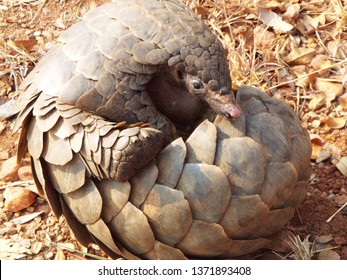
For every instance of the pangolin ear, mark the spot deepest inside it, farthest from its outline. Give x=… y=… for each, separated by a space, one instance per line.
x=178 y=74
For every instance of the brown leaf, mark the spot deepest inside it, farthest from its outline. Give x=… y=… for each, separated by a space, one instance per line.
x=331 y=90
x=274 y=20
x=328 y=255
x=292 y=12
x=25 y=45
x=201 y=11
x=317 y=102
x=317 y=143
x=343 y=100
x=324 y=238
x=336 y=123
x=263 y=39
x=300 y=56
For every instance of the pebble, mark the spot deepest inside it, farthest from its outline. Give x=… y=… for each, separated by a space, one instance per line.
x=18 y=198
x=9 y=170
x=5 y=155
x=332 y=196
x=25 y=173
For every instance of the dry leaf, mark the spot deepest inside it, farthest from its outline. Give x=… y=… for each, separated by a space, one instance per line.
x=317 y=102
x=18 y=45
x=331 y=90
x=274 y=20
x=328 y=255
x=321 y=61
x=336 y=123
x=292 y=12
x=263 y=39
x=300 y=56
x=343 y=101
x=324 y=238
x=317 y=143
x=201 y=11
x=26 y=218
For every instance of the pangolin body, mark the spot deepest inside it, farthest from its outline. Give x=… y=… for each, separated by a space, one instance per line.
x=100 y=106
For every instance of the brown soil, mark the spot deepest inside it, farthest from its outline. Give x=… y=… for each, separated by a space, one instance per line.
x=30 y=20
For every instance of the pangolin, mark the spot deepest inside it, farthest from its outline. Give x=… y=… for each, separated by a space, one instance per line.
x=100 y=107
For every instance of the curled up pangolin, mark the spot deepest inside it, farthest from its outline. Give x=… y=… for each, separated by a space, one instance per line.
x=119 y=86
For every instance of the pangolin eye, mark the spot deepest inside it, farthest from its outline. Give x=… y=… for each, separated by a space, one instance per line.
x=197 y=85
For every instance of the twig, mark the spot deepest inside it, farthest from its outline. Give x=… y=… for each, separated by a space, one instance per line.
x=343 y=206
x=38 y=11
x=18 y=183
x=306 y=75
x=78 y=251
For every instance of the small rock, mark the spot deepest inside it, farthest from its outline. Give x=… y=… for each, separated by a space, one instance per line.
x=331 y=197
x=24 y=173
x=324 y=238
x=49 y=255
x=5 y=155
x=341 y=199
x=18 y=198
x=342 y=166
x=9 y=170
x=47 y=34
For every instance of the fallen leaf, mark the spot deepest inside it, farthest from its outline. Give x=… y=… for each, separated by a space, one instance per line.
x=26 y=218
x=336 y=123
x=321 y=61
x=274 y=20
x=263 y=39
x=331 y=90
x=300 y=56
x=292 y=12
x=317 y=143
x=26 y=45
x=317 y=102
x=201 y=11
x=328 y=255
x=343 y=100
x=324 y=238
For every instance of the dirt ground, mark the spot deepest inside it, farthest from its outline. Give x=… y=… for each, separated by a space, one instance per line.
x=300 y=56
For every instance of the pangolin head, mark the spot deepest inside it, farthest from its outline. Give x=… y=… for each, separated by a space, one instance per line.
x=205 y=72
